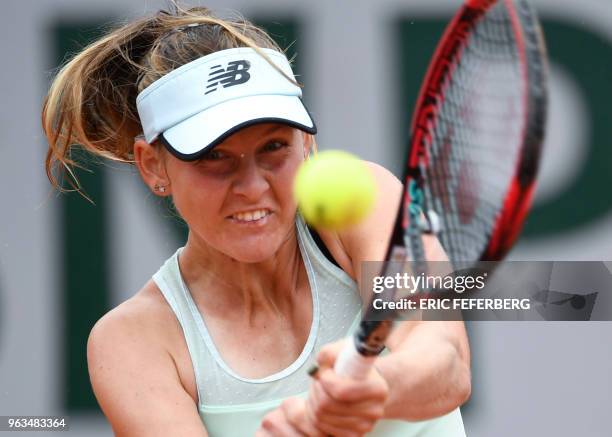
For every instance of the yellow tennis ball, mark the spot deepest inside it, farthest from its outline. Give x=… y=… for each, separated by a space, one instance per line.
x=334 y=189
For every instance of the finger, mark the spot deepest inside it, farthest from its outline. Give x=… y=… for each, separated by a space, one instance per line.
x=295 y=411
x=328 y=354
x=331 y=417
x=323 y=405
x=275 y=424
x=332 y=424
x=348 y=390
x=329 y=430
x=325 y=429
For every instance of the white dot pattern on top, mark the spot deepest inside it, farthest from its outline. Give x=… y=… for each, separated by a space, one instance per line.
x=336 y=310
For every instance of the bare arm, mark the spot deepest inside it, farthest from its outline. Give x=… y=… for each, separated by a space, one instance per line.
x=136 y=381
x=428 y=371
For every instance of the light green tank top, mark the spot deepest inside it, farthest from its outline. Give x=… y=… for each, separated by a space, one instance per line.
x=233 y=406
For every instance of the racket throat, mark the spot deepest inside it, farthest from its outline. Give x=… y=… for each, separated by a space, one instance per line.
x=370 y=339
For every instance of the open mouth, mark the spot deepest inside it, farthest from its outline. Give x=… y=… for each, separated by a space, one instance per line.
x=251 y=216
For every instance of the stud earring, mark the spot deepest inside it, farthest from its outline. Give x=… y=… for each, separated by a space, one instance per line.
x=160 y=188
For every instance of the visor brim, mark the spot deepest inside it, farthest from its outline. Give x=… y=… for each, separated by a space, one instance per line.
x=191 y=138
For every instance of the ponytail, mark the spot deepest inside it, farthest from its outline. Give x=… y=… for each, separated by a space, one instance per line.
x=92 y=100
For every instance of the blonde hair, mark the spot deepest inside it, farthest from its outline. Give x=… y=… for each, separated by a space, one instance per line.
x=92 y=100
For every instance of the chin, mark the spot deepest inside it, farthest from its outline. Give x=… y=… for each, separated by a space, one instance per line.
x=252 y=245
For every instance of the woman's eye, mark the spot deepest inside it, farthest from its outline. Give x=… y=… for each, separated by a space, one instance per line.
x=274 y=145
x=213 y=155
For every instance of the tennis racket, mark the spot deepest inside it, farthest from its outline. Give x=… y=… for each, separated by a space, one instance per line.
x=475 y=143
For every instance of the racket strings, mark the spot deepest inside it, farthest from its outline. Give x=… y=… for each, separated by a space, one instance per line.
x=473 y=152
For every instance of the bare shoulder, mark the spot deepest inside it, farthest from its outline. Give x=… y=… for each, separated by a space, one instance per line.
x=368 y=240
x=146 y=306
x=137 y=321
x=389 y=186
x=133 y=373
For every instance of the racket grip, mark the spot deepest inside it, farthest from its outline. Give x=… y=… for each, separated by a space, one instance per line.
x=351 y=363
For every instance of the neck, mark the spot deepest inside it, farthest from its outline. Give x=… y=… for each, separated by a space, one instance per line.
x=269 y=286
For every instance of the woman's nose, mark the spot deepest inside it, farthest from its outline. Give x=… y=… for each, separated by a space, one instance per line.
x=250 y=180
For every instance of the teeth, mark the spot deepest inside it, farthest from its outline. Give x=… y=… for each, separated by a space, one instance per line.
x=251 y=215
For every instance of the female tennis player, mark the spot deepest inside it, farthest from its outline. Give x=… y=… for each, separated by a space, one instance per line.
x=219 y=341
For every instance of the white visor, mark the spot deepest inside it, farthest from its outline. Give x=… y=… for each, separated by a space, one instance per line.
x=198 y=105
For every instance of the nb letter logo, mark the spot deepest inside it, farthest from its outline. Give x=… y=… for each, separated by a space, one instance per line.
x=235 y=74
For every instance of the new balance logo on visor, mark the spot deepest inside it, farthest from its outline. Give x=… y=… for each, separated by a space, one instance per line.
x=235 y=74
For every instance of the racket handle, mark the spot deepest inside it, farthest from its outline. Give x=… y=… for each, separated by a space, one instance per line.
x=351 y=363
